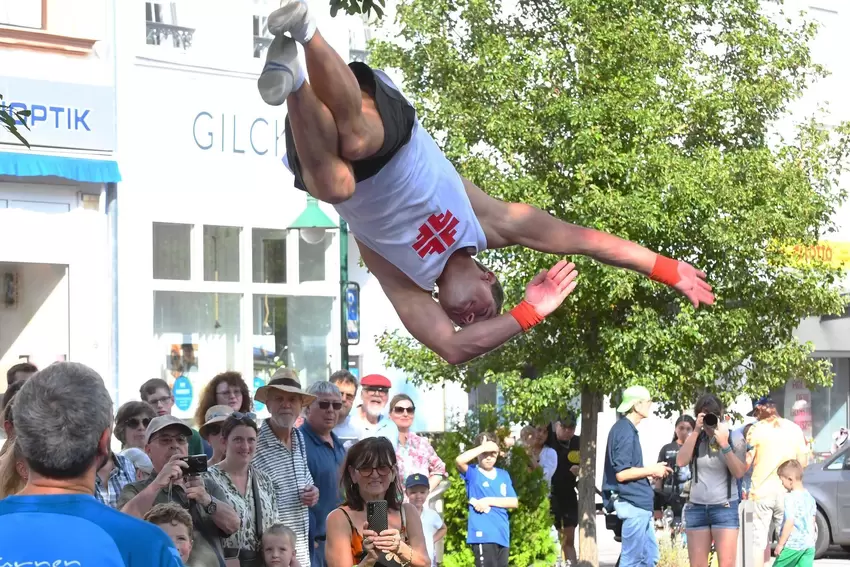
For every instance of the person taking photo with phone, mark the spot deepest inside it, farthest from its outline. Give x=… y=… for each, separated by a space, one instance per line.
x=716 y=458
x=373 y=526
x=175 y=480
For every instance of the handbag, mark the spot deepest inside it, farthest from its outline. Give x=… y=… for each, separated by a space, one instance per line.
x=249 y=557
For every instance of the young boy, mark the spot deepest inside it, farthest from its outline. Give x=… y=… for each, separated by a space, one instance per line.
x=491 y=494
x=279 y=546
x=796 y=547
x=177 y=524
x=433 y=527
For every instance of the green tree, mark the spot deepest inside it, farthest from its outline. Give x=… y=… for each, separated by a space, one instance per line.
x=531 y=542
x=656 y=121
x=11 y=119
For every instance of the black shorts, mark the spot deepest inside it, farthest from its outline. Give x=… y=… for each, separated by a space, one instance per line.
x=489 y=554
x=565 y=511
x=397 y=116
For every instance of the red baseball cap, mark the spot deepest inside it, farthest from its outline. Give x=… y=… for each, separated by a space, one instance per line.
x=376 y=381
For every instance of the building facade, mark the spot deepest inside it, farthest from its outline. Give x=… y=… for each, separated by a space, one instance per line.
x=57 y=196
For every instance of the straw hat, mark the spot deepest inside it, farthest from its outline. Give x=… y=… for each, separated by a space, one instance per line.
x=284 y=385
x=216 y=414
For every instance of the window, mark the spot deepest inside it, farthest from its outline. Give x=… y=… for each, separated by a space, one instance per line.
x=171 y=251
x=311 y=264
x=221 y=253
x=23 y=13
x=268 y=248
x=161 y=24
x=294 y=332
x=262 y=37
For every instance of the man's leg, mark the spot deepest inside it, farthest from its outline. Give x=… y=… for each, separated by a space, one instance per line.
x=650 y=554
x=633 y=535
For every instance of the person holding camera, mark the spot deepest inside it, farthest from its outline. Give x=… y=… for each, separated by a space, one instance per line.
x=717 y=457
x=177 y=478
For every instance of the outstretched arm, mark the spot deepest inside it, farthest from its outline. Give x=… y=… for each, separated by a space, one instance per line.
x=507 y=224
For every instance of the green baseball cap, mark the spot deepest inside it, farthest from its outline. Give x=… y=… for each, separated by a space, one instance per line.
x=631 y=396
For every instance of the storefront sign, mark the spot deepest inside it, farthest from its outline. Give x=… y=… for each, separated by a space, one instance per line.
x=182 y=392
x=352 y=313
x=836 y=254
x=62 y=115
x=229 y=133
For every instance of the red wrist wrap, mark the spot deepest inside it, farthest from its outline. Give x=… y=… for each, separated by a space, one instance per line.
x=526 y=315
x=666 y=271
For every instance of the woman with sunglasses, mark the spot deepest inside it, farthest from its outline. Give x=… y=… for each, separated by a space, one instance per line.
x=210 y=431
x=414 y=453
x=369 y=474
x=131 y=422
x=249 y=491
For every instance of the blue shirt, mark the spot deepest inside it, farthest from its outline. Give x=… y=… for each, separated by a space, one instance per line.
x=324 y=463
x=624 y=452
x=494 y=526
x=76 y=529
x=800 y=508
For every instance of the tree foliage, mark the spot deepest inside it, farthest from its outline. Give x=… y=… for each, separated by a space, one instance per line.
x=661 y=121
x=531 y=542
x=11 y=118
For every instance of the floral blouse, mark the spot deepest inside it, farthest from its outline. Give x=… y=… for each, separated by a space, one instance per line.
x=418 y=456
x=246 y=536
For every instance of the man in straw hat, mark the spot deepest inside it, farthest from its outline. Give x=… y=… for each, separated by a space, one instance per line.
x=282 y=455
x=627 y=484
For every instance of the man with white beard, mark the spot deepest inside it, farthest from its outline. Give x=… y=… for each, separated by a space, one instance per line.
x=282 y=455
x=368 y=418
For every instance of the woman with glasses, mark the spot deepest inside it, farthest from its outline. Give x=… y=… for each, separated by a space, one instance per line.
x=369 y=474
x=249 y=491
x=414 y=453
x=225 y=389
x=210 y=431
x=131 y=421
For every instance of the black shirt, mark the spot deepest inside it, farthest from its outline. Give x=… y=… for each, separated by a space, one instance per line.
x=569 y=453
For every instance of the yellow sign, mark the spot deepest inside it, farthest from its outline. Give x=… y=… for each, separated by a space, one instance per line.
x=836 y=254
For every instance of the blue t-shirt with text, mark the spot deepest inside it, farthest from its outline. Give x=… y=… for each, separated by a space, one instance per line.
x=800 y=508
x=75 y=530
x=494 y=526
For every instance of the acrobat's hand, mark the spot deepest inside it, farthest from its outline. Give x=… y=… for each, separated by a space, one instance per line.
x=548 y=289
x=693 y=285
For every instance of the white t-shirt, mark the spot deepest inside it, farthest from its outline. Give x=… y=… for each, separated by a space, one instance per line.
x=431 y=522
x=549 y=463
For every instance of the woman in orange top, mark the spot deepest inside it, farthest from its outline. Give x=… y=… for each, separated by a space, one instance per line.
x=369 y=473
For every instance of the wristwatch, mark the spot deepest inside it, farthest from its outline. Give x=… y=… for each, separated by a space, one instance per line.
x=211 y=507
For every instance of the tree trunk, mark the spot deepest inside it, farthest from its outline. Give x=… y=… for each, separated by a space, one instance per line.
x=588 y=553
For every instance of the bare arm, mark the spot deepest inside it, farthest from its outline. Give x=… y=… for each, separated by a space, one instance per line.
x=462 y=460
x=507 y=502
x=635 y=473
x=142 y=502
x=686 y=452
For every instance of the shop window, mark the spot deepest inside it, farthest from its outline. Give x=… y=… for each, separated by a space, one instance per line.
x=196 y=335
x=22 y=13
x=293 y=332
x=268 y=250
x=163 y=26
x=311 y=259
x=171 y=251
x=221 y=253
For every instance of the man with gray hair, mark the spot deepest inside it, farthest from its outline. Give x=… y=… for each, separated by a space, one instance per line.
x=325 y=454
x=56 y=518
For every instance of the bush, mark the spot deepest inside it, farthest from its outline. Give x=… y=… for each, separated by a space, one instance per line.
x=531 y=542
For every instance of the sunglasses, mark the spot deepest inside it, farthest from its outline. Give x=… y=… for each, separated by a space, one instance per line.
x=240 y=416
x=213 y=430
x=383 y=470
x=401 y=410
x=135 y=422
x=379 y=389
x=324 y=404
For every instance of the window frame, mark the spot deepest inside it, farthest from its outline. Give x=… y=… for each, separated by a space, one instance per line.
x=40 y=39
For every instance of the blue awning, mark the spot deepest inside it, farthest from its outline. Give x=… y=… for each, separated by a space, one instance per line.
x=76 y=169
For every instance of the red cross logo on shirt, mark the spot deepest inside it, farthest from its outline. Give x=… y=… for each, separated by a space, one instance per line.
x=436 y=234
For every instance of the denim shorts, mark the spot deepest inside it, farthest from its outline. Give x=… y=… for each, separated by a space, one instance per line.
x=707 y=516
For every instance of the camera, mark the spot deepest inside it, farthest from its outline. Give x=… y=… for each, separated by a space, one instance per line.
x=710 y=420
x=197 y=464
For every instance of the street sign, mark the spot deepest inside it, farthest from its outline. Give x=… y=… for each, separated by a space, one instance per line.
x=182 y=392
x=352 y=313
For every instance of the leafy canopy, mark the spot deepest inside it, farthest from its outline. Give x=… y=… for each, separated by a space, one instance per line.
x=658 y=121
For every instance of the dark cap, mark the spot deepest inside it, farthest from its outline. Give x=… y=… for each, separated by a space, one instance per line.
x=416 y=479
x=762 y=401
x=376 y=381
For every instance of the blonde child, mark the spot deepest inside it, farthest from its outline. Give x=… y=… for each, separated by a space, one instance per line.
x=279 y=546
x=796 y=547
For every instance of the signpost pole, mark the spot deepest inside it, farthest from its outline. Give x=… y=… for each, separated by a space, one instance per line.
x=343 y=290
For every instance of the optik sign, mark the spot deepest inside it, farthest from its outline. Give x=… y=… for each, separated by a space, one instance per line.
x=62 y=115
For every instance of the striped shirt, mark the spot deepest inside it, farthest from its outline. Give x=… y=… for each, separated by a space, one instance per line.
x=123 y=473
x=290 y=474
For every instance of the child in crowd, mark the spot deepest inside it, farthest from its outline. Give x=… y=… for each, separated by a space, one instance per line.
x=796 y=547
x=177 y=524
x=278 y=546
x=433 y=527
x=491 y=493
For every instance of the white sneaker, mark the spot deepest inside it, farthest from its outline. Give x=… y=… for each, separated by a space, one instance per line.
x=293 y=16
x=282 y=73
